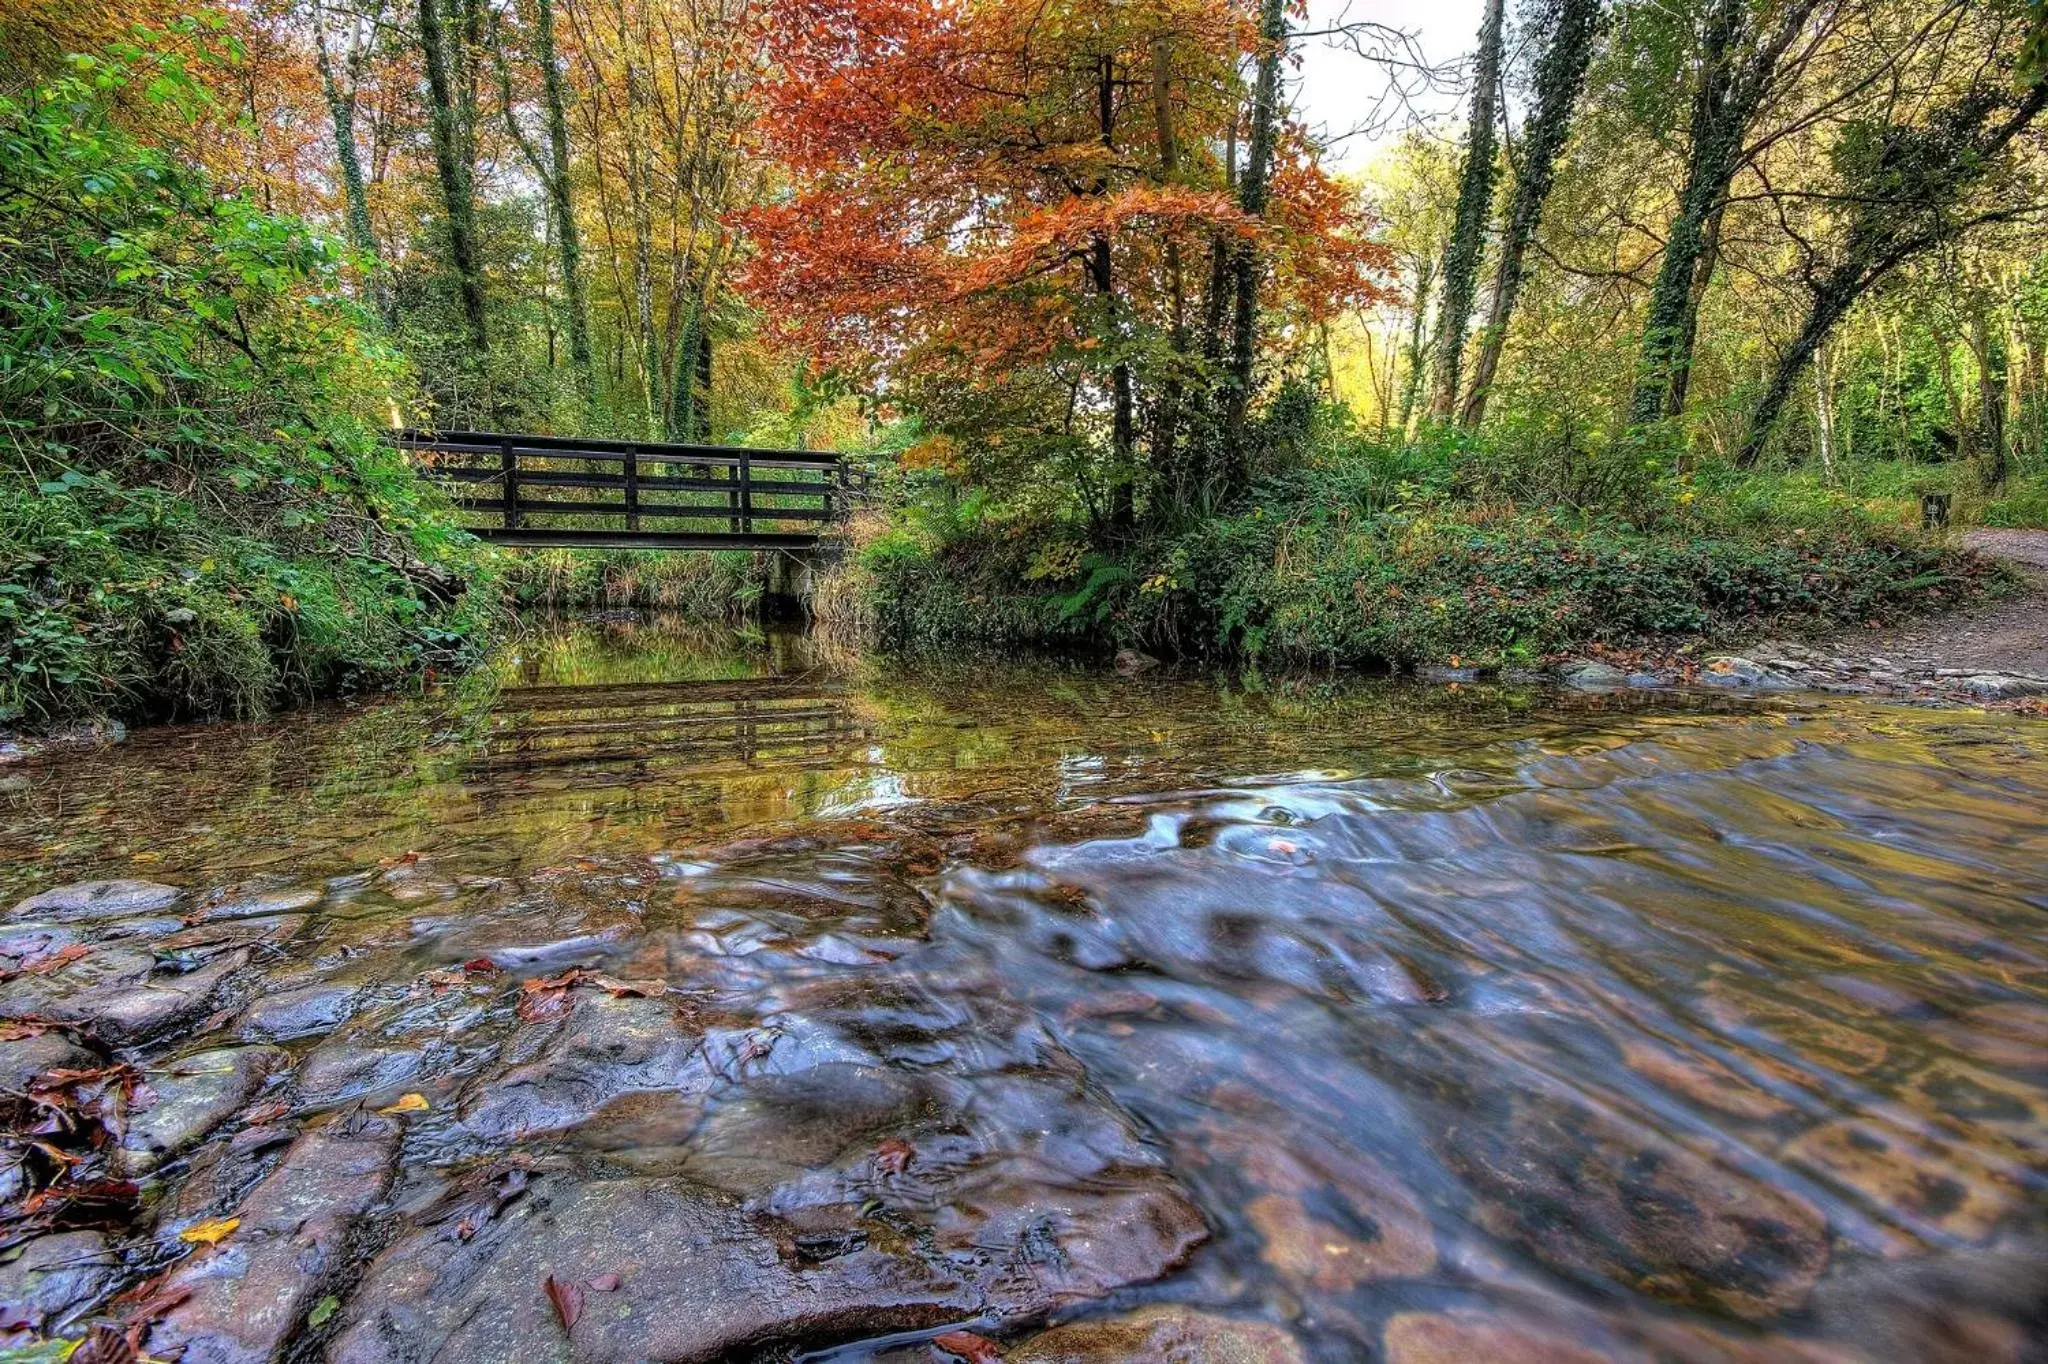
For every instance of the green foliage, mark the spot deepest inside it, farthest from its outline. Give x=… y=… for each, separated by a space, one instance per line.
x=724 y=586
x=1369 y=552
x=197 y=515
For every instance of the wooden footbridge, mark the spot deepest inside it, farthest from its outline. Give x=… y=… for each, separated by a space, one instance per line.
x=609 y=494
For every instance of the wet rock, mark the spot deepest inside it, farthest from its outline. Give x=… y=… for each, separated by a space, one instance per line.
x=1472 y=1338
x=2001 y=686
x=251 y=1293
x=1130 y=661
x=1939 y=1190
x=355 y=1067
x=1587 y=674
x=55 y=1275
x=90 y=900
x=1589 y=1196
x=122 y=994
x=1728 y=670
x=1645 y=681
x=304 y=1011
x=558 y=1074
x=24 y=1058
x=194 y=1095
x=256 y=905
x=703 y=1276
x=1433 y=673
x=1162 y=1334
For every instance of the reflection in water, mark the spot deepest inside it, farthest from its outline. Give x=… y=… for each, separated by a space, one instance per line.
x=1471 y=1021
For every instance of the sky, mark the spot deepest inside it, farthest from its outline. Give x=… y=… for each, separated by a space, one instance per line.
x=1335 y=90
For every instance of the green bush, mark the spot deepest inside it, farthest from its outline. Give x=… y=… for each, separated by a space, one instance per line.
x=197 y=513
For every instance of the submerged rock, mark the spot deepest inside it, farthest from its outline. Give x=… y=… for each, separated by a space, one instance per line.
x=304 y=1011
x=244 y=1299
x=1474 y=1338
x=558 y=1074
x=88 y=900
x=1162 y=1334
x=194 y=1095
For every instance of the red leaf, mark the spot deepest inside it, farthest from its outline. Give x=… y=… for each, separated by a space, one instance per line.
x=970 y=1347
x=567 y=1296
x=480 y=966
x=893 y=1156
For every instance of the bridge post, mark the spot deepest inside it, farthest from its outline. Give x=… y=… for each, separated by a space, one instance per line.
x=632 y=487
x=508 y=465
x=746 y=494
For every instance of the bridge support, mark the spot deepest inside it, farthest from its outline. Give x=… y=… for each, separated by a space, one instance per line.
x=792 y=574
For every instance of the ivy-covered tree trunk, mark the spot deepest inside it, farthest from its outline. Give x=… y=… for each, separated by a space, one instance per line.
x=1560 y=76
x=1916 y=179
x=1475 y=206
x=563 y=195
x=1253 y=191
x=453 y=170
x=341 y=109
x=1731 y=90
x=1418 y=339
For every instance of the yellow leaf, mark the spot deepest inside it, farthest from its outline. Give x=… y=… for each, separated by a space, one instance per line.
x=210 y=1232
x=408 y=1103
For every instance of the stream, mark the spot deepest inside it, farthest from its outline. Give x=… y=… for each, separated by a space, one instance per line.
x=686 y=996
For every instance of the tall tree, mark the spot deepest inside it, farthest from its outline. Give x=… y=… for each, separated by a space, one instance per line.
x=340 y=91
x=1460 y=274
x=454 y=166
x=1741 y=47
x=1910 y=192
x=1560 y=76
x=1253 y=191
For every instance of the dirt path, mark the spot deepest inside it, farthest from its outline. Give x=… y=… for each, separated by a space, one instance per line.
x=2009 y=636
x=1998 y=651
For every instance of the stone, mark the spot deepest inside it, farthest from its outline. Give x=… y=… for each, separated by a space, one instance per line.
x=1474 y=1338
x=23 y=1059
x=1728 y=670
x=1129 y=661
x=1165 y=1333
x=1586 y=674
x=556 y=1075
x=88 y=900
x=1648 y=680
x=1432 y=673
x=345 y=1068
x=123 y=995
x=705 y=1275
x=304 y=1011
x=1591 y=1196
x=248 y=1295
x=2001 y=686
x=55 y=1275
x=257 y=904
x=194 y=1095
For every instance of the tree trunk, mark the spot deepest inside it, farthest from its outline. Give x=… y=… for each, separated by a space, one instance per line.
x=1987 y=343
x=1166 y=425
x=1252 y=193
x=1475 y=206
x=1418 y=345
x=577 y=299
x=1696 y=297
x=341 y=107
x=1560 y=76
x=454 y=173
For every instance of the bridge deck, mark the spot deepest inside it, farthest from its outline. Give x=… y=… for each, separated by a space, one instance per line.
x=543 y=491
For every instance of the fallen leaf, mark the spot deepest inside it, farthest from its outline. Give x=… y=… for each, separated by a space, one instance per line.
x=323 y=1311
x=408 y=1103
x=893 y=1156
x=210 y=1232
x=105 y=1345
x=269 y=1112
x=605 y=1283
x=970 y=1347
x=481 y=966
x=567 y=1296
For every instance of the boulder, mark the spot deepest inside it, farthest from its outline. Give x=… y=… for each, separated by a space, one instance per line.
x=122 y=994
x=88 y=900
x=22 y=1059
x=2001 y=686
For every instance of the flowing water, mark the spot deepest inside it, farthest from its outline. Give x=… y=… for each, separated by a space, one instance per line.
x=1387 y=1021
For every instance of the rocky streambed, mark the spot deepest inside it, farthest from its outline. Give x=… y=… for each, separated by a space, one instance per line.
x=936 y=1020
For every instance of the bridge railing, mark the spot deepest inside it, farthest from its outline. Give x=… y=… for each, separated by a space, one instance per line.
x=530 y=486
